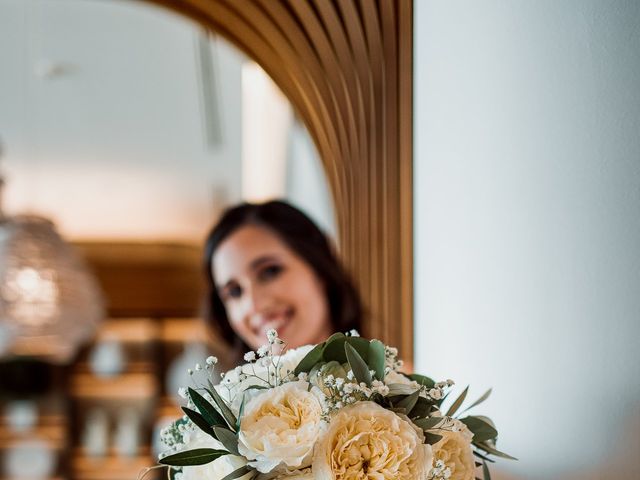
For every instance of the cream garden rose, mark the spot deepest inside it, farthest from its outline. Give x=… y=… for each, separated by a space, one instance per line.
x=280 y=427
x=454 y=449
x=256 y=374
x=364 y=440
x=306 y=474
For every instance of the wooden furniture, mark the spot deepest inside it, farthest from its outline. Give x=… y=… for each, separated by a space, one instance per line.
x=153 y=294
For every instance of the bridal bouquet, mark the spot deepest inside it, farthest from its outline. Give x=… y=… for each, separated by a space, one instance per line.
x=340 y=410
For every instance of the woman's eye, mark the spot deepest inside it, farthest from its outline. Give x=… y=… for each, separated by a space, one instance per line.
x=269 y=272
x=233 y=291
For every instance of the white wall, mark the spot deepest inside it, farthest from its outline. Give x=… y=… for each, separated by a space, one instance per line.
x=527 y=216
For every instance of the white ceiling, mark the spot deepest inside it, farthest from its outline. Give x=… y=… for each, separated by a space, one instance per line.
x=102 y=122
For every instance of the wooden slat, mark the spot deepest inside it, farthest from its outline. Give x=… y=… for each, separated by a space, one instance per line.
x=405 y=159
x=391 y=187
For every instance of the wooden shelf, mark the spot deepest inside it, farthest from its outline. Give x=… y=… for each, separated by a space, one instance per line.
x=110 y=467
x=128 y=330
x=167 y=408
x=54 y=436
x=144 y=367
x=51 y=429
x=182 y=330
x=129 y=386
x=47 y=478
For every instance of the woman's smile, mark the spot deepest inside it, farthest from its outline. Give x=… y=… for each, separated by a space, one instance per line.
x=278 y=321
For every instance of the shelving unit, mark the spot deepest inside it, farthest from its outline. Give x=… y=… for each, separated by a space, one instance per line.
x=153 y=294
x=148 y=346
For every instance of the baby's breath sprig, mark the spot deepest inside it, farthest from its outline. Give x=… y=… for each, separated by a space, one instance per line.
x=438 y=390
x=209 y=366
x=266 y=359
x=392 y=362
x=340 y=392
x=440 y=471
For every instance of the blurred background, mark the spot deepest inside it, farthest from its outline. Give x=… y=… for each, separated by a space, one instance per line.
x=125 y=130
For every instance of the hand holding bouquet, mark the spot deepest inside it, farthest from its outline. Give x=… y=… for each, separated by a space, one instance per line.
x=340 y=410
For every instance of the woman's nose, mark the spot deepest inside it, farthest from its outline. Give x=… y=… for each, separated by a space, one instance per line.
x=257 y=302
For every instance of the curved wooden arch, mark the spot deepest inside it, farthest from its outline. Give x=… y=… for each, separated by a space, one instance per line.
x=346 y=66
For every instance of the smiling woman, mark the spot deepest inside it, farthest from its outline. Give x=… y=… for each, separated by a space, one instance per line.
x=269 y=266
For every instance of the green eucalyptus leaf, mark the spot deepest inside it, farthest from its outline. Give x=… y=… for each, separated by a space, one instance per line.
x=484 y=396
x=421 y=379
x=396 y=398
x=482 y=430
x=428 y=423
x=377 y=358
x=485 y=471
x=239 y=472
x=334 y=337
x=335 y=349
x=361 y=344
x=483 y=457
x=408 y=402
x=422 y=408
x=223 y=408
x=241 y=411
x=358 y=366
x=188 y=458
x=208 y=412
x=486 y=419
x=432 y=438
x=487 y=447
x=199 y=420
x=400 y=389
x=256 y=387
x=228 y=439
x=456 y=405
x=310 y=359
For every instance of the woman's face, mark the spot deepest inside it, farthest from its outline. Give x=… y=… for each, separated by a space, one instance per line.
x=264 y=284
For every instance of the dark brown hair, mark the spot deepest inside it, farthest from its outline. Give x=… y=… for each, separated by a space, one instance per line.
x=300 y=234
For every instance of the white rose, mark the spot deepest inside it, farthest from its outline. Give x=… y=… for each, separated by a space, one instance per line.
x=306 y=474
x=454 y=449
x=215 y=470
x=365 y=440
x=280 y=427
x=231 y=388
